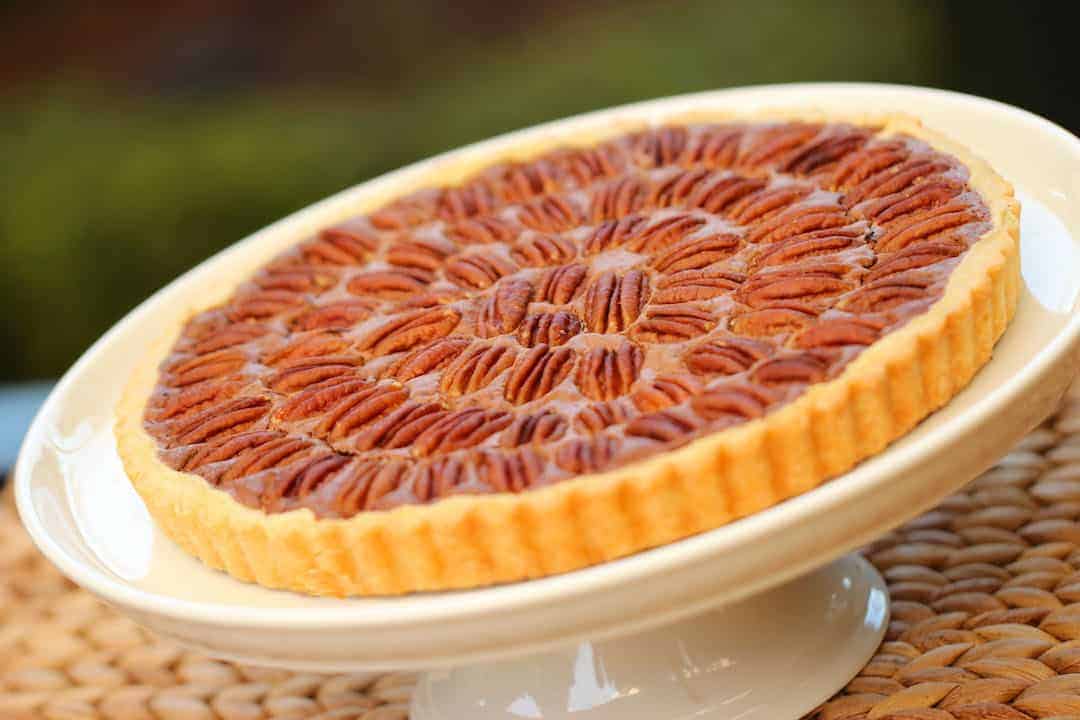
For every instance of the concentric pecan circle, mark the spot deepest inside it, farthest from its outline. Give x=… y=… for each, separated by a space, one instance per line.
x=561 y=315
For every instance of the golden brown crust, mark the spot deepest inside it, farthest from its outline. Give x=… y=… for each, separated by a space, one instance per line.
x=470 y=541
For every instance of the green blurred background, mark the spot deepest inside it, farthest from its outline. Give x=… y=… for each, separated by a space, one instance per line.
x=138 y=138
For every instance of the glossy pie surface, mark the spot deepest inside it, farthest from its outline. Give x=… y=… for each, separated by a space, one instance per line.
x=568 y=314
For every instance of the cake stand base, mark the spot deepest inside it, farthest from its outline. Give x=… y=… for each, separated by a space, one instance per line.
x=776 y=655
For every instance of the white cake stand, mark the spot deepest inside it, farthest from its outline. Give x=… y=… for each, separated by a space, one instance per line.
x=758 y=619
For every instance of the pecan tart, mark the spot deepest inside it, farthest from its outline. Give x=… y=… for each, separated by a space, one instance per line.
x=522 y=364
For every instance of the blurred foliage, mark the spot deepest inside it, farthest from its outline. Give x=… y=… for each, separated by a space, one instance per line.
x=106 y=195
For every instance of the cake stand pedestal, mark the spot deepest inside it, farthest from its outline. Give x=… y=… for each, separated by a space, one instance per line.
x=763 y=618
x=774 y=655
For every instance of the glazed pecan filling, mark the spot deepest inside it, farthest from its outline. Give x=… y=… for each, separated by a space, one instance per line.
x=560 y=316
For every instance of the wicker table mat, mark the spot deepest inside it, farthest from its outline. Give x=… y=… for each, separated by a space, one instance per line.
x=985 y=623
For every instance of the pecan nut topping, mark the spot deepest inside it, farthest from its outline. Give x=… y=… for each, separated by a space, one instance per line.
x=565 y=314
x=549 y=328
x=607 y=373
x=613 y=302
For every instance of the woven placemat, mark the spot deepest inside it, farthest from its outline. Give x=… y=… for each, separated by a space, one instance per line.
x=985 y=623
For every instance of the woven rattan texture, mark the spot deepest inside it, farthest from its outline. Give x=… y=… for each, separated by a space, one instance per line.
x=65 y=656
x=986 y=623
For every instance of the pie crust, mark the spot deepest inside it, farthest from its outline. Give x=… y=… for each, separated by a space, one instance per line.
x=467 y=541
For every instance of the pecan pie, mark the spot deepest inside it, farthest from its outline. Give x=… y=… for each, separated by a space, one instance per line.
x=526 y=361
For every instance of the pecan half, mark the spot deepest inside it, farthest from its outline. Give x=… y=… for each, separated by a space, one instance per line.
x=424 y=255
x=894 y=179
x=826 y=152
x=230 y=335
x=541 y=427
x=658 y=147
x=363 y=483
x=409 y=211
x=664 y=426
x=265 y=456
x=720 y=191
x=595 y=417
x=194 y=399
x=813 y=244
x=916 y=256
x=694 y=253
x=476 y=368
x=296 y=278
x=716 y=146
x=314 y=344
x=796 y=221
x=227 y=448
x=261 y=304
x=613 y=233
x=518 y=182
x=768 y=146
x=920 y=197
x=196 y=369
x=339 y=246
x=772 y=321
x=444 y=476
x=477 y=271
x=607 y=373
x=889 y=292
x=840 y=331
x=514 y=471
x=542 y=250
x=427 y=358
x=804 y=368
x=921 y=226
x=430 y=299
x=726 y=355
x=666 y=390
x=483 y=231
x=676 y=189
x=560 y=285
x=732 y=402
x=548 y=328
x=587 y=165
x=613 y=302
x=357 y=406
x=301 y=479
x=408 y=329
x=296 y=374
x=219 y=421
x=809 y=285
x=699 y=284
x=459 y=430
x=872 y=158
x=586 y=455
x=466 y=201
x=767 y=200
x=550 y=214
x=339 y=315
x=536 y=373
x=618 y=199
x=663 y=233
x=393 y=284
x=400 y=427
x=503 y=312
x=673 y=323
x=318 y=397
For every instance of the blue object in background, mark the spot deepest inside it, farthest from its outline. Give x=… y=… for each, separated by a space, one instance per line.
x=18 y=403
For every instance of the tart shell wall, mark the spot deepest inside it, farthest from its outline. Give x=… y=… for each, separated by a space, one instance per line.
x=470 y=541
